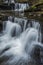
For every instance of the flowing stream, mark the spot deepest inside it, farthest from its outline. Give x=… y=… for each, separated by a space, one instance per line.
x=16 y=6
x=20 y=39
x=20 y=42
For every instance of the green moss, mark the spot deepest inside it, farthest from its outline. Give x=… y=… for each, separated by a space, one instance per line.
x=33 y=7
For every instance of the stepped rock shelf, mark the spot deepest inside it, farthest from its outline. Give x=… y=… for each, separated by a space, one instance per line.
x=6 y=13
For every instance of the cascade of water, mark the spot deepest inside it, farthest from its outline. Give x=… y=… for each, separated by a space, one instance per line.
x=36 y=25
x=9 y=1
x=25 y=23
x=11 y=18
x=16 y=6
x=20 y=49
x=21 y=7
x=21 y=21
x=12 y=28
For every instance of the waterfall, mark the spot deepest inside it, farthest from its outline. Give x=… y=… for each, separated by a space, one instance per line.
x=21 y=7
x=12 y=28
x=16 y=6
x=25 y=24
x=37 y=26
x=20 y=43
x=9 y=1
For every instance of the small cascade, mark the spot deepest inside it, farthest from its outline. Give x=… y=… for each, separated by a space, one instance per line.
x=20 y=42
x=12 y=28
x=20 y=38
x=29 y=23
x=24 y=23
x=21 y=7
x=14 y=5
x=36 y=25
x=21 y=21
x=8 y=1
